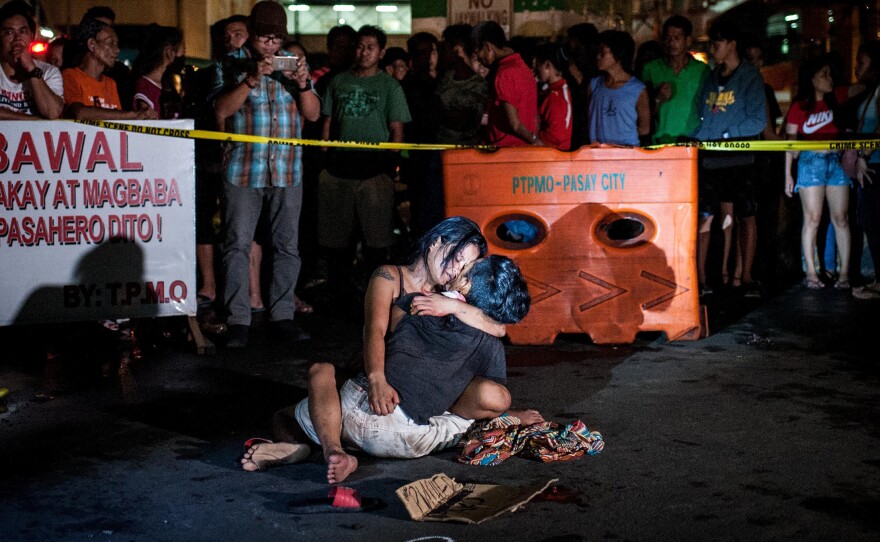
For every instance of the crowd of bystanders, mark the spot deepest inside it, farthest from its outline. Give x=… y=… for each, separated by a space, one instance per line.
x=472 y=85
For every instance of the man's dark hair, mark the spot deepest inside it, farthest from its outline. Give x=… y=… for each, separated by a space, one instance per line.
x=104 y=12
x=369 y=30
x=419 y=46
x=584 y=33
x=392 y=55
x=581 y=47
x=621 y=45
x=725 y=30
x=499 y=290
x=871 y=49
x=488 y=32
x=550 y=52
x=88 y=28
x=457 y=232
x=18 y=7
x=681 y=22
x=341 y=30
x=458 y=34
x=237 y=18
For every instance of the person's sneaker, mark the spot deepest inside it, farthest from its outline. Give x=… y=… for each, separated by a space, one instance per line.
x=863 y=292
x=287 y=331
x=237 y=336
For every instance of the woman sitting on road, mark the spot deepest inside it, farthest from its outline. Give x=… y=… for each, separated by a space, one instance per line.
x=439 y=258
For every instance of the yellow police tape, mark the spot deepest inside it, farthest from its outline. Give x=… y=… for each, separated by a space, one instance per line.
x=757 y=145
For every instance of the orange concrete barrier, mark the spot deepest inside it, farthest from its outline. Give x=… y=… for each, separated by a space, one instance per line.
x=613 y=236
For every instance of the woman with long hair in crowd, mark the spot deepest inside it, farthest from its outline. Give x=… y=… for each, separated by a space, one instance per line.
x=820 y=177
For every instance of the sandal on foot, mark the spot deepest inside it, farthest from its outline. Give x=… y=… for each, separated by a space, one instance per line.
x=842 y=284
x=249 y=443
x=813 y=284
x=828 y=277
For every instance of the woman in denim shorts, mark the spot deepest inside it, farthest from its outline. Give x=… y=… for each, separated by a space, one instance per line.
x=820 y=177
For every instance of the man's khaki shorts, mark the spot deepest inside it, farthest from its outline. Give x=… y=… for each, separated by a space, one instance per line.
x=343 y=203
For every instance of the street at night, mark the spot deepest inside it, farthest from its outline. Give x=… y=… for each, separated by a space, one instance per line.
x=766 y=430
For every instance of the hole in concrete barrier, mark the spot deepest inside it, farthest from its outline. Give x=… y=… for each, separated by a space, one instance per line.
x=516 y=231
x=625 y=230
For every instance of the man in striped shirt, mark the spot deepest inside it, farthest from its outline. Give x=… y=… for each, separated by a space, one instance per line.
x=253 y=98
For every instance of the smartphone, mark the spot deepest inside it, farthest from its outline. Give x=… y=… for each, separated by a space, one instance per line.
x=285 y=63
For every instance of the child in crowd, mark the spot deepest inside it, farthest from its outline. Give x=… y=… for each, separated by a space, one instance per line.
x=620 y=113
x=555 y=109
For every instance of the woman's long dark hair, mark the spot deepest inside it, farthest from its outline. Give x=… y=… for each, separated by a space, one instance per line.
x=152 y=51
x=457 y=232
x=806 y=92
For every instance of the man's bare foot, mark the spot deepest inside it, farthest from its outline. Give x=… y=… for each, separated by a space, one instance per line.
x=339 y=466
x=266 y=455
x=527 y=417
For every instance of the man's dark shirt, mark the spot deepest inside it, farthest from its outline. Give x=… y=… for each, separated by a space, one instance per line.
x=430 y=361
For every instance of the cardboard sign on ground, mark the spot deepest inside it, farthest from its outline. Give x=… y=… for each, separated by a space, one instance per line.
x=440 y=498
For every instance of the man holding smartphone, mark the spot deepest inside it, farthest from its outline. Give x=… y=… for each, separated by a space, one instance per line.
x=252 y=97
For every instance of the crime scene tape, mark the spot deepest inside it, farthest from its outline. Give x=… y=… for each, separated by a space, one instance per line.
x=755 y=145
x=243 y=138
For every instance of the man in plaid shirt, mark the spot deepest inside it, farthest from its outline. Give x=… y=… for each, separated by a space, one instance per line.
x=255 y=99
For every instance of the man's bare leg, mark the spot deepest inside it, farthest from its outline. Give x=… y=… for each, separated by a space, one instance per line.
x=265 y=455
x=325 y=410
x=484 y=399
x=289 y=446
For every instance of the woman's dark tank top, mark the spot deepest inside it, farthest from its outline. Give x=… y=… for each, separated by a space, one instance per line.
x=404 y=299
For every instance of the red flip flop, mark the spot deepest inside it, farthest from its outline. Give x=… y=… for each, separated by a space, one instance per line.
x=248 y=444
x=339 y=500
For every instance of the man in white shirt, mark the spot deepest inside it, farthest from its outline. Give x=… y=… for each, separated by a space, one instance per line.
x=28 y=87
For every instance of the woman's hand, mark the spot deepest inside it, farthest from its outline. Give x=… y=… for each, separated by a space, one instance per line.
x=383 y=398
x=435 y=305
x=789 y=185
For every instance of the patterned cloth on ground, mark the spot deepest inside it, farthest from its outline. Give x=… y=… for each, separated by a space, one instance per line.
x=491 y=442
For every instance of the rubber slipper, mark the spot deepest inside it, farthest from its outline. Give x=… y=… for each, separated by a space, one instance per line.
x=249 y=443
x=338 y=500
x=842 y=285
x=814 y=284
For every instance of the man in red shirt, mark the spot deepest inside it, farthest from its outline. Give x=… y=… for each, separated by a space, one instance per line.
x=513 y=93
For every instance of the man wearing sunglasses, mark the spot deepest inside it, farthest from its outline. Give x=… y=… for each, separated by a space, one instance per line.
x=28 y=87
x=254 y=98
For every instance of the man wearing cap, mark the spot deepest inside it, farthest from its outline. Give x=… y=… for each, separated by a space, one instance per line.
x=253 y=98
x=27 y=87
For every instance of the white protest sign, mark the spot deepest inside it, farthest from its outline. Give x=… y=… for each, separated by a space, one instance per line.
x=95 y=223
